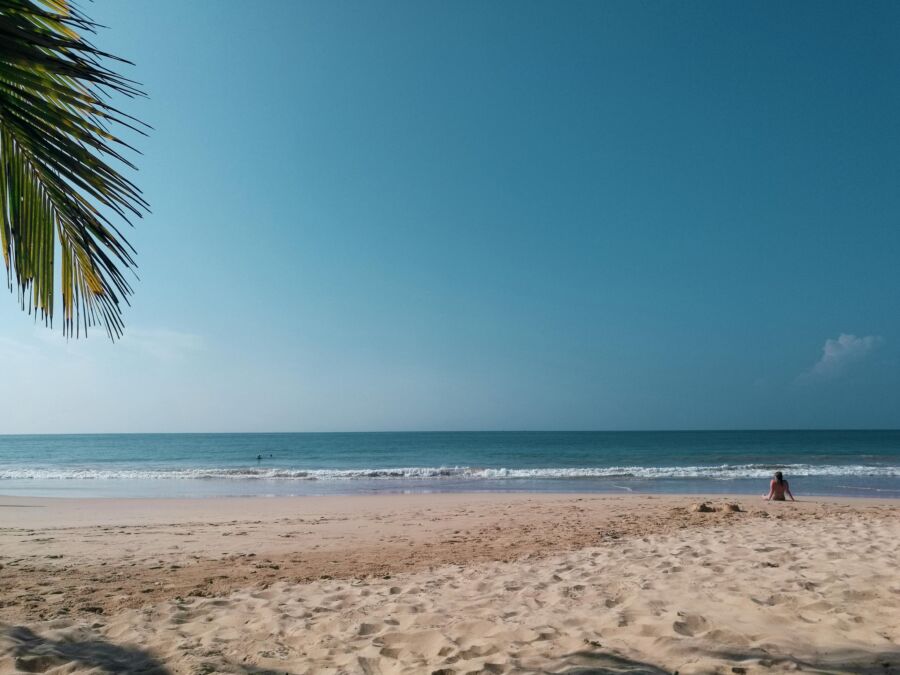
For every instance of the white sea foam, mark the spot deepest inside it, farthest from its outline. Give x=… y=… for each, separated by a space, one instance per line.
x=721 y=472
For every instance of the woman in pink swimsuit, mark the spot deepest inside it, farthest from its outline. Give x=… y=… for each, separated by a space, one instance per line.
x=778 y=488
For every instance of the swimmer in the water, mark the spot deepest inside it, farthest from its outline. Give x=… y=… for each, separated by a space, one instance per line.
x=259 y=458
x=778 y=488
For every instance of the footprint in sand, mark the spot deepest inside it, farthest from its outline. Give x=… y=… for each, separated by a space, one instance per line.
x=624 y=619
x=690 y=624
x=728 y=637
x=367 y=629
x=856 y=596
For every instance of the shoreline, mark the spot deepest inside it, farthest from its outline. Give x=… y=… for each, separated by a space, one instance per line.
x=74 y=511
x=183 y=490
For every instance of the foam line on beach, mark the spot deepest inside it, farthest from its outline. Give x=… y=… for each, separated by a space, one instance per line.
x=724 y=472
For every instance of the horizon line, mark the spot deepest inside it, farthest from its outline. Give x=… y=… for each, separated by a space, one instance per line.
x=458 y=431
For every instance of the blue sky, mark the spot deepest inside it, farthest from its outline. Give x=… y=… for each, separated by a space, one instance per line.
x=530 y=215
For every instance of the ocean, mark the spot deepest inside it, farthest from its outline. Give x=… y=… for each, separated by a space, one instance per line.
x=847 y=463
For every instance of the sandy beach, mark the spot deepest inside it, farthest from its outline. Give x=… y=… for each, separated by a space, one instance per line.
x=449 y=338
x=449 y=583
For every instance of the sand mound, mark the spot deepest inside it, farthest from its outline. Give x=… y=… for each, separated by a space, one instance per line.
x=708 y=507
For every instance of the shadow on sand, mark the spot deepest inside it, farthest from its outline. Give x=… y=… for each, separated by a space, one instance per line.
x=600 y=663
x=852 y=662
x=35 y=654
x=847 y=662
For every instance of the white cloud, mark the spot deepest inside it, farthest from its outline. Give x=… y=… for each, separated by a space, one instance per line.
x=841 y=352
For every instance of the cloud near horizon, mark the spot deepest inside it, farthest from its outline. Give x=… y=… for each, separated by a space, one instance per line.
x=839 y=353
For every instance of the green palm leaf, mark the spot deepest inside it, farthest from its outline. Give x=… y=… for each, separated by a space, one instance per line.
x=60 y=189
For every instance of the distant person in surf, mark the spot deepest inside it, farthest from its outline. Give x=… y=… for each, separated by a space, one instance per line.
x=778 y=488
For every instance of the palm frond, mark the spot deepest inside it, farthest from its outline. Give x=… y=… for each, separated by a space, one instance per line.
x=60 y=187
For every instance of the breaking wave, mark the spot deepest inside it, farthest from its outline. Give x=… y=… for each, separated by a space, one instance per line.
x=720 y=472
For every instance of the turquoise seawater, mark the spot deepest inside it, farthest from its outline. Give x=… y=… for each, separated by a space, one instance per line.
x=854 y=463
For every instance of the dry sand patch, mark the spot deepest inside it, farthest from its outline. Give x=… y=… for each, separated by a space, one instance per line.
x=572 y=584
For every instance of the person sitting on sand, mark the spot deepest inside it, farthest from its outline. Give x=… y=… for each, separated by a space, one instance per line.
x=778 y=488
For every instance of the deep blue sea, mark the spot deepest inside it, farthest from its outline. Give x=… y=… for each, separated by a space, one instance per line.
x=850 y=463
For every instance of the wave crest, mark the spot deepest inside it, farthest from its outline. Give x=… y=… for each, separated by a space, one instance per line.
x=721 y=472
